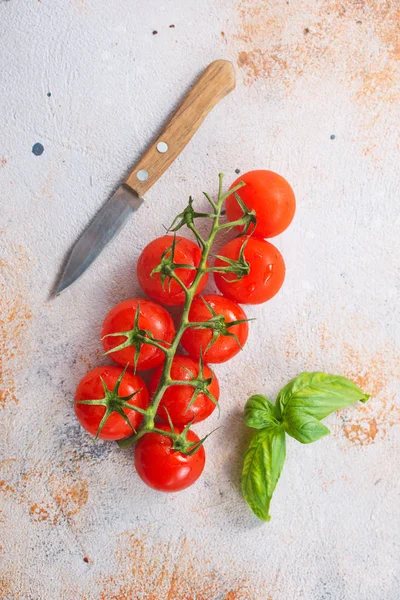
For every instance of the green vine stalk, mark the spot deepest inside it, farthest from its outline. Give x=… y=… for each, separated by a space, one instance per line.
x=166 y=270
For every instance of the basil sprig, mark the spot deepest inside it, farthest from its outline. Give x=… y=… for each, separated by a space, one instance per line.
x=298 y=411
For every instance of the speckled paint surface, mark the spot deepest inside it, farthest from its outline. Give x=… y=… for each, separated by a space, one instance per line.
x=84 y=86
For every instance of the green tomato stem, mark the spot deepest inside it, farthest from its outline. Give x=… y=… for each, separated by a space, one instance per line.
x=170 y=352
x=165 y=381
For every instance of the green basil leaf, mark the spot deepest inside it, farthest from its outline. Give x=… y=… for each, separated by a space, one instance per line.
x=259 y=413
x=303 y=427
x=283 y=399
x=317 y=394
x=263 y=463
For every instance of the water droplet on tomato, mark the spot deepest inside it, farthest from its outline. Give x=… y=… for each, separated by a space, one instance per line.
x=268 y=273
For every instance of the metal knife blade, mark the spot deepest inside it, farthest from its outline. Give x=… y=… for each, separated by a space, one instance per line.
x=107 y=223
x=216 y=81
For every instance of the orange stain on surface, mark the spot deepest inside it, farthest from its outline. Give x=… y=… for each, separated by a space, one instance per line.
x=86 y=362
x=69 y=495
x=355 y=44
x=6 y=487
x=15 y=316
x=38 y=513
x=68 y=498
x=168 y=571
x=361 y=434
x=50 y=492
x=284 y=42
x=330 y=482
x=375 y=373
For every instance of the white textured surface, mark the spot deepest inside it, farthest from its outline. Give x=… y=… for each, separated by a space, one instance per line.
x=306 y=70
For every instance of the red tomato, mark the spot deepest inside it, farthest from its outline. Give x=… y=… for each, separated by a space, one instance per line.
x=152 y=317
x=266 y=276
x=163 y=468
x=270 y=196
x=90 y=415
x=226 y=344
x=169 y=292
x=176 y=398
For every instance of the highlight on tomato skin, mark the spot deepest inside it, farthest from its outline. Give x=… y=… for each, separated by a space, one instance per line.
x=270 y=196
x=266 y=276
x=176 y=399
x=152 y=317
x=163 y=468
x=170 y=292
x=197 y=341
x=90 y=388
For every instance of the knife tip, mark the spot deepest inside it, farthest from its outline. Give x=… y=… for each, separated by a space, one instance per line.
x=59 y=289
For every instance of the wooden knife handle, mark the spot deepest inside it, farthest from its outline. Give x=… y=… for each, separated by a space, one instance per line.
x=214 y=84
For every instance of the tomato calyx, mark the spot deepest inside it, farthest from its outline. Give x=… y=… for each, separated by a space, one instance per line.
x=248 y=220
x=219 y=325
x=187 y=218
x=180 y=442
x=239 y=267
x=167 y=267
x=135 y=337
x=113 y=402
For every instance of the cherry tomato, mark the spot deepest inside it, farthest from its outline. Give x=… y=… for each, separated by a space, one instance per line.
x=163 y=468
x=90 y=415
x=152 y=317
x=176 y=398
x=169 y=292
x=266 y=276
x=270 y=196
x=228 y=340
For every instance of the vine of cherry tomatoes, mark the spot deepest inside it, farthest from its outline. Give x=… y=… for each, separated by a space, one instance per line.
x=113 y=402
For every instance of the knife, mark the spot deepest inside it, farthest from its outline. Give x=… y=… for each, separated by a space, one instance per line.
x=215 y=83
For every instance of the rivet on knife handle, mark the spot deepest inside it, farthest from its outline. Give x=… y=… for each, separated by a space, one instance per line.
x=214 y=84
